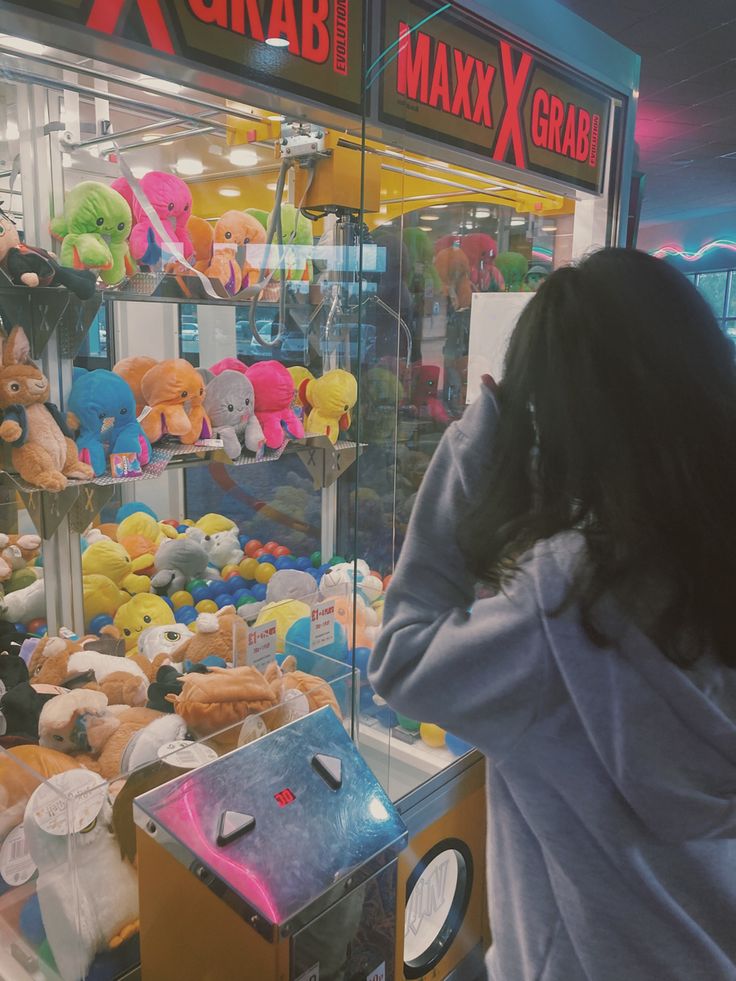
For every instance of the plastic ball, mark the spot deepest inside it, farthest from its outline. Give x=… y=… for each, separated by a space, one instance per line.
x=252 y=546
x=167 y=600
x=456 y=745
x=207 y=606
x=361 y=661
x=222 y=599
x=235 y=583
x=171 y=521
x=432 y=735
x=243 y=540
x=193 y=583
x=245 y=600
x=182 y=528
x=281 y=550
x=366 y=698
x=182 y=598
x=242 y=596
x=316 y=574
x=270 y=547
x=406 y=723
x=265 y=571
x=34 y=626
x=258 y=592
x=337 y=560
x=199 y=593
x=284 y=562
x=248 y=568
x=185 y=614
x=229 y=570
x=316 y=559
x=323 y=569
x=303 y=563
x=133 y=507
x=20 y=627
x=188 y=522
x=265 y=557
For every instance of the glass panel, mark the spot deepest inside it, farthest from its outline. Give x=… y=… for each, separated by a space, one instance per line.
x=713 y=288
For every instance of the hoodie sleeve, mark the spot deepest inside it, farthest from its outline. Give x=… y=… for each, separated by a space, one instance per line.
x=474 y=668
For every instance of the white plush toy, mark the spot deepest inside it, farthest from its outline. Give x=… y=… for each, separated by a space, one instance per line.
x=89 y=903
x=368 y=587
x=222 y=547
x=24 y=605
x=164 y=640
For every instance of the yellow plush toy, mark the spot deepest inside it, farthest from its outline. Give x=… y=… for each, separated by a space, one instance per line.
x=211 y=523
x=140 y=523
x=284 y=613
x=141 y=612
x=328 y=401
x=110 y=559
x=101 y=595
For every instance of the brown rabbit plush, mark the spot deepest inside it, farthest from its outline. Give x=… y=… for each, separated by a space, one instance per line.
x=43 y=451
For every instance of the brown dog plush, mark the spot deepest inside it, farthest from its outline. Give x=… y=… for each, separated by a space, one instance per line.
x=43 y=451
x=173 y=394
x=223 y=634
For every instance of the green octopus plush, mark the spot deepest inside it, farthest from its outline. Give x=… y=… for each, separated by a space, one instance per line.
x=296 y=230
x=94 y=231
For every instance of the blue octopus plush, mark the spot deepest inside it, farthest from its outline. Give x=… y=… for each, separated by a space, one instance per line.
x=101 y=407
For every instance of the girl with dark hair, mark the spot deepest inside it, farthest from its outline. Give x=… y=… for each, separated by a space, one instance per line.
x=595 y=488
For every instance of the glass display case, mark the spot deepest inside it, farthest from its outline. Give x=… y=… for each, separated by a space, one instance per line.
x=299 y=272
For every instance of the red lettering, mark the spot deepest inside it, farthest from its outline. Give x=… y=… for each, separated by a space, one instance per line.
x=315 y=36
x=514 y=84
x=463 y=72
x=540 y=114
x=283 y=22
x=484 y=75
x=440 y=79
x=413 y=69
x=210 y=11
x=238 y=13
x=556 y=116
x=105 y=14
x=568 y=143
x=594 y=133
x=340 y=34
x=583 y=144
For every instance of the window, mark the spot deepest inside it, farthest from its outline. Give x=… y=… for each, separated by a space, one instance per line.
x=719 y=289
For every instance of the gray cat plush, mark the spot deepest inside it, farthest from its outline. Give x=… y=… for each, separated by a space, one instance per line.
x=229 y=402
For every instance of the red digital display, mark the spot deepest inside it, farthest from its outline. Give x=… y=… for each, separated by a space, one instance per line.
x=284 y=797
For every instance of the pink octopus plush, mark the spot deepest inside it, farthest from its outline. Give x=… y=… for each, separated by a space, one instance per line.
x=171 y=199
x=273 y=389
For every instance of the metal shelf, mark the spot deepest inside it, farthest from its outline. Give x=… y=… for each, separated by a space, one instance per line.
x=45 y=309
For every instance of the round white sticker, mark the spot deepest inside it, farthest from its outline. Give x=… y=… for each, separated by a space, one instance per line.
x=68 y=802
x=296 y=704
x=16 y=864
x=253 y=728
x=186 y=755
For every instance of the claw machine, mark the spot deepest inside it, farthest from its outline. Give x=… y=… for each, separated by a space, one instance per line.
x=282 y=242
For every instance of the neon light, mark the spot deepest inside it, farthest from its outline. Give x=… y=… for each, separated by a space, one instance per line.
x=395 y=44
x=681 y=253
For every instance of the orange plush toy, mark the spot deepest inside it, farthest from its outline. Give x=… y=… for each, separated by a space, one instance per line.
x=173 y=395
x=132 y=370
x=202 y=236
x=234 y=231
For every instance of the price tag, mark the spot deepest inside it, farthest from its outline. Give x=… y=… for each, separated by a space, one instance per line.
x=186 y=755
x=262 y=642
x=68 y=802
x=322 y=627
x=16 y=864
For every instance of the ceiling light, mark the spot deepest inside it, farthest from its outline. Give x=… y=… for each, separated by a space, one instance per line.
x=278 y=42
x=425 y=228
x=229 y=192
x=387 y=223
x=160 y=84
x=241 y=156
x=518 y=221
x=429 y=217
x=482 y=212
x=147 y=137
x=276 y=119
x=140 y=170
x=11 y=131
x=437 y=206
x=272 y=187
x=549 y=228
x=22 y=44
x=189 y=166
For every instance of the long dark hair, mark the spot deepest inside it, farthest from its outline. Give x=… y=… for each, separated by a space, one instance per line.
x=618 y=419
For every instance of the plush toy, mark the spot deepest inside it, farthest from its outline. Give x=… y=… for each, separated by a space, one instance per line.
x=90 y=906
x=24 y=605
x=142 y=611
x=284 y=614
x=43 y=451
x=171 y=199
x=230 y=404
x=532 y=281
x=346 y=577
x=109 y=558
x=94 y=231
x=222 y=634
x=202 y=237
x=274 y=394
x=234 y=232
x=212 y=523
x=288 y=584
x=169 y=641
x=30 y=266
x=16 y=552
x=177 y=562
x=101 y=596
x=102 y=408
x=453 y=268
x=296 y=235
x=144 y=525
x=513 y=267
x=132 y=371
x=216 y=701
x=424 y=393
x=423 y=278
x=328 y=402
x=318 y=691
x=222 y=547
x=481 y=250
x=22 y=769
x=56 y=661
x=174 y=394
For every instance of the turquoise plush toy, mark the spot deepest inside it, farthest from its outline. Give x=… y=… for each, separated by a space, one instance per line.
x=94 y=231
x=102 y=408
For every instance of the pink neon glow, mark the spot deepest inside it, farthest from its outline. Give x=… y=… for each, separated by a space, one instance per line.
x=682 y=253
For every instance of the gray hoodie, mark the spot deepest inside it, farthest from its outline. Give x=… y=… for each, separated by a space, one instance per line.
x=611 y=772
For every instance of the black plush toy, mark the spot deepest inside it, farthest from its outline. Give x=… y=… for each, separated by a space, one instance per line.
x=28 y=266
